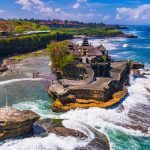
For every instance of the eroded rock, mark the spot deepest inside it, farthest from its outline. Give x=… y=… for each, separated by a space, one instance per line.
x=46 y=126
x=137 y=65
x=68 y=99
x=14 y=122
x=120 y=108
x=3 y=68
x=98 y=142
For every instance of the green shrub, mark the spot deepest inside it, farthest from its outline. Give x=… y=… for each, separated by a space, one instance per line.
x=59 y=54
x=28 y=43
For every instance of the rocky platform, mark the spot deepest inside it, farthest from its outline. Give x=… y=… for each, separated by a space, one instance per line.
x=104 y=92
x=14 y=122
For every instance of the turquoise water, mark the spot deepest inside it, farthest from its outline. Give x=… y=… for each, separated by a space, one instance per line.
x=137 y=49
x=124 y=141
x=32 y=95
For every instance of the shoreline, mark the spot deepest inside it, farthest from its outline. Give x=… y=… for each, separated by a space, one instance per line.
x=124 y=35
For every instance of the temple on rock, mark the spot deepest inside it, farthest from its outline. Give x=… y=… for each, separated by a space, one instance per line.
x=89 y=51
x=92 y=79
x=96 y=57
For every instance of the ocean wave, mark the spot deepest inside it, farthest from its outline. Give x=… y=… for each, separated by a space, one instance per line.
x=140 y=46
x=20 y=80
x=52 y=141
x=96 y=42
x=125 y=45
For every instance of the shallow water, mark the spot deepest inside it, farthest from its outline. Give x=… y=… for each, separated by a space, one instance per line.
x=28 y=93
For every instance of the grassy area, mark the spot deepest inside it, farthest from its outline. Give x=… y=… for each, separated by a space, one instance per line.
x=22 y=26
x=29 y=55
x=88 y=31
x=19 y=26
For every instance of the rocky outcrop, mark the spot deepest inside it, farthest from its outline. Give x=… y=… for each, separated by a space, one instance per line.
x=14 y=122
x=127 y=36
x=3 y=68
x=100 y=141
x=67 y=99
x=120 y=108
x=136 y=65
x=83 y=103
x=46 y=126
x=100 y=91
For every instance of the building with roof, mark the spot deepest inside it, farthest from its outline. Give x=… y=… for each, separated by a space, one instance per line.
x=88 y=50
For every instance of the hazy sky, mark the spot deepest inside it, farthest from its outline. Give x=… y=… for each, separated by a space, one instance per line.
x=107 y=11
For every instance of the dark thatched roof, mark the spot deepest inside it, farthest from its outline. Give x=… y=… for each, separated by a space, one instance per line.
x=101 y=48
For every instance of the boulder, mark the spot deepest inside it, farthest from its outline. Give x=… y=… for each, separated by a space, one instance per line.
x=14 y=122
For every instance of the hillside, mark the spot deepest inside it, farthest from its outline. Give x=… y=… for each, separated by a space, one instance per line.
x=19 y=26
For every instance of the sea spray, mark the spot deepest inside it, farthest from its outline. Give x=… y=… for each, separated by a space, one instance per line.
x=52 y=141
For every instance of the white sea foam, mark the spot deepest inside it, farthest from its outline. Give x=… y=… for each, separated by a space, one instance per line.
x=102 y=118
x=109 y=43
x=52 y=141
x=125 y=45
x=95 y=117
x=19 y=80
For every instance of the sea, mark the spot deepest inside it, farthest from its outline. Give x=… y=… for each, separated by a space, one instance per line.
x=126 y=130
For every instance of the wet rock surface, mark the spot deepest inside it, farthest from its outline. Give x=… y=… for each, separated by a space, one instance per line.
x=100 y=141
x=46 y=126
x=14 y=122
x=120 y=108
x=138 y=118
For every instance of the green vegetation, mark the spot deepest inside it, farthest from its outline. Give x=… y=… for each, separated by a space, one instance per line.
x=22 y=26
x=57 y=122
x=28 y=43
x=18 y=26
x=28 y=55
x=88 y=31
x=59 y=54
x=104 y=58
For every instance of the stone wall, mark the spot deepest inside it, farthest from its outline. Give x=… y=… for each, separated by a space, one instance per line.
x=101 y=69
x=73 y=72
x=99 y=94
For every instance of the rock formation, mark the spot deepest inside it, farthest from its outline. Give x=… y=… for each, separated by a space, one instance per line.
x=3 y=68
x=136 y=65
x=14 y=122
x=99 y=93
x=46 y=126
